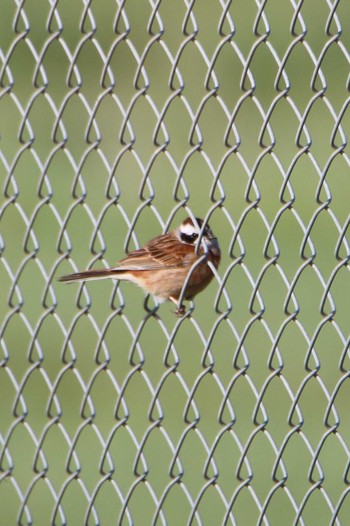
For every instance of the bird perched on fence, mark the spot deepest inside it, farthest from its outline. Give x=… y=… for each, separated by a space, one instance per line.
x=163 y=265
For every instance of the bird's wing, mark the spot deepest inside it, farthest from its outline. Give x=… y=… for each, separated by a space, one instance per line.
x=160 y=253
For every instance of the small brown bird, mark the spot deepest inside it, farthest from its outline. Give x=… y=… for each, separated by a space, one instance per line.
x=163 y=264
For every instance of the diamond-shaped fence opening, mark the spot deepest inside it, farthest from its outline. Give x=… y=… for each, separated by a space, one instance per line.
x=119 y=119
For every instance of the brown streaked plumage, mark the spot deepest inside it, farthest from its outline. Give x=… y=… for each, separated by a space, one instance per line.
x=161 y=267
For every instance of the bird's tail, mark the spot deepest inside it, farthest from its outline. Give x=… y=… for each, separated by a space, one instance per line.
x=87 y=275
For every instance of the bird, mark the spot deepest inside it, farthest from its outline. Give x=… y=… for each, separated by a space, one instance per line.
x=163 y=265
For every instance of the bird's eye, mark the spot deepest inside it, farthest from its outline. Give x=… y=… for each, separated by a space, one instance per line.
x=189 y=238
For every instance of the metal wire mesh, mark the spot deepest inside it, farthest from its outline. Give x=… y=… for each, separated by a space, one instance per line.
x=118 y=118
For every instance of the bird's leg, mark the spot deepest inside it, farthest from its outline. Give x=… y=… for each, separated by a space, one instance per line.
x=181 y=309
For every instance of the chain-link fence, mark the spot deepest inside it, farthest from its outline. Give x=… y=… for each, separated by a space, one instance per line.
x=118 y=119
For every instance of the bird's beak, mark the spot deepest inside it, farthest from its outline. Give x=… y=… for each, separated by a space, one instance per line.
x=212 y=244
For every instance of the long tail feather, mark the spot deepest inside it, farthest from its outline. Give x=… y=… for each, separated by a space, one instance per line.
x=89 y=274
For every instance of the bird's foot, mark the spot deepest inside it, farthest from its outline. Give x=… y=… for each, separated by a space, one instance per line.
x=180 y=311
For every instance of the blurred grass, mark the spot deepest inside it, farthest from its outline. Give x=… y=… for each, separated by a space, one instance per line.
x=35 y=338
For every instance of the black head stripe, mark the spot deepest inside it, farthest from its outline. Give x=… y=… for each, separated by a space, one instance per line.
x=189 y=234
x=189 y=238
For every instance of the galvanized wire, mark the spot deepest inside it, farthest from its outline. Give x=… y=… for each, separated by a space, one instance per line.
x=117 y=120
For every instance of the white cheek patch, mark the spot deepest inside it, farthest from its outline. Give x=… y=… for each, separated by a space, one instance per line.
x=188 y=230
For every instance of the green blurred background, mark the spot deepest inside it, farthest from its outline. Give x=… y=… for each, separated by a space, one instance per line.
x=102 y=406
